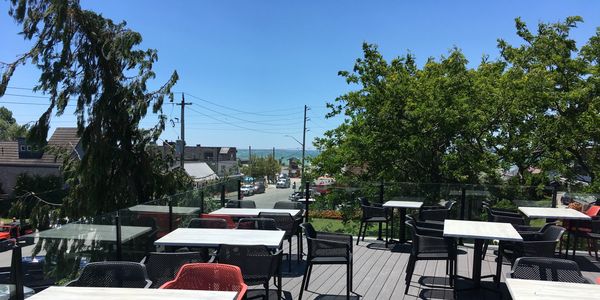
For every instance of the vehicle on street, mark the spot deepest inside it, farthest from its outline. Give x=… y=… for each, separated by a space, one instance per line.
x=259 y=187
x=247 y=189
x=283 y=183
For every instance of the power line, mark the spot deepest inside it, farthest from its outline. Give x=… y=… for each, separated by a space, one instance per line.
x=242 y=111
x=233 y=124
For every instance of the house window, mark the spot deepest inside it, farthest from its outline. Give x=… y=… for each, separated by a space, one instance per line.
x=23 y=148
x=28 y=148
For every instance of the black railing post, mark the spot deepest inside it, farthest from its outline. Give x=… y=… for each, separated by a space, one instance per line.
x=222 y=195
x=463 y=200
x=17 y=271
x=381 y=194
x=307 y=203
x=554 y=192
x=119 y=239
x=170 y=215
x=239 y=189
x=202 y=201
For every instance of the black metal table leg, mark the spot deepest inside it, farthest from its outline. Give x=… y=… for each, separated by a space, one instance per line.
x=402 y=237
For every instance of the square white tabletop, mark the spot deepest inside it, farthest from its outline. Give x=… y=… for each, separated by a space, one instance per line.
x=521 y=289
x=107 y=233
x=481 y=230
x=212 y=238
x=403 y=204
x=164 y=209
x=252 y=212
x=94 y=293
x=553 y=213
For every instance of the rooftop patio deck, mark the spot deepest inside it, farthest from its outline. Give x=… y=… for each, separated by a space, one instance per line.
x=379 y=274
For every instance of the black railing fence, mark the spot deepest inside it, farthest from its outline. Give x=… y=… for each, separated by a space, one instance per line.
x=55 y=256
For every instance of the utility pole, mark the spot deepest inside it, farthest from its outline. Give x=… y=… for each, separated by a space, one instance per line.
x=183 y=104
x=250 y=159
x=304 y=142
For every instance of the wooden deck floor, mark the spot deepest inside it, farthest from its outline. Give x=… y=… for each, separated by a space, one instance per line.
x=379 y=274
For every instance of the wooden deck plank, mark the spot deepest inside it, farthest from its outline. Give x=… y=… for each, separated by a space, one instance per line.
x=379 y=274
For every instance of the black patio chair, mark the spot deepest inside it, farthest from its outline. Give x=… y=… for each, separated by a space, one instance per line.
x=163 y=266
x=207 y=223
x=257 y=263
x=542 y=244
x=372 y=214
x=548 y=269
x=429 y=244
x=294 y=205
x=326 y=248
x=287 y=223
x=257 y=223
x=436 y=213
x=123 y=274
x=591 y=233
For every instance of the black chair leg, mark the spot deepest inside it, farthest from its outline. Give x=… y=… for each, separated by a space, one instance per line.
x=302 y=287
x=290 y=254
x=364 y=231
x=409 y=271
x=359 y=231
x=299 y=246
x=485 y=247
x=348 y=280
x=308 y=277
x=267 y=291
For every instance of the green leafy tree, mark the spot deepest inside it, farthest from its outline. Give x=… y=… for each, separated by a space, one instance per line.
x=90 y=60
x=9 y=129
x=261 y=167
x=559 y=86
x=406 y=123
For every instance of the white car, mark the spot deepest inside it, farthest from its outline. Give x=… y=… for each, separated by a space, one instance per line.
x=247 y=189
x=283 y=183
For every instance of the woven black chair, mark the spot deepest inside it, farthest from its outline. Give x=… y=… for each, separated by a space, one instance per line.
x=240 y=204
x=436 y=213
x=429 y=244
x=547 y=269
x=207 y=223
x=372 y=214
x=257 y=263
x=123 y=274
x=542 y=244
x=326 y=248
x=257 y=223
x=163 y=266
x=287 y=223
x=592 y=235
x=294 y=205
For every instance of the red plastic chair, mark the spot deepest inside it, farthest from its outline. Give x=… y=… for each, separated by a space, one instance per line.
x=227 y=218
x=209 y=277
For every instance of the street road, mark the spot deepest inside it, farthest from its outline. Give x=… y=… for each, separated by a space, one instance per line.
x=272 y=195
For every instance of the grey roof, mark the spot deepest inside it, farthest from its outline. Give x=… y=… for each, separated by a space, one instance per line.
x=200 y=171
x=65 y=137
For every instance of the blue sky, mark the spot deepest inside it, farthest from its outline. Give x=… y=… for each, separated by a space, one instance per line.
x=266 y=59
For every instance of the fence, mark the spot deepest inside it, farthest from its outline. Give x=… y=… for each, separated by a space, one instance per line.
x=55 y=256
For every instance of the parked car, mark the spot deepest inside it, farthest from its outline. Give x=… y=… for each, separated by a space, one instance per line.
x=259 y=187
x=247 y=189
x=283 y=183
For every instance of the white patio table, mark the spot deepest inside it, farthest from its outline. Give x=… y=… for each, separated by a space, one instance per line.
x=560 y=213
x=402 y=206
x=521 y=289
x=213 y=238
x=252 y=212
x=94 y=293
x=480 y=232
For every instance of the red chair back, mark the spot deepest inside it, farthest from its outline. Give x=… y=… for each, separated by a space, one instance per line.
x=209 y=276
x=227 y=218
x=593 y=211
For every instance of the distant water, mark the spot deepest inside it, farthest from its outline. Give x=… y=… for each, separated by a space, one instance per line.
x=282 y=154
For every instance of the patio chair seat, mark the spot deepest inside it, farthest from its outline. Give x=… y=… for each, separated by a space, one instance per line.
x=334 y=260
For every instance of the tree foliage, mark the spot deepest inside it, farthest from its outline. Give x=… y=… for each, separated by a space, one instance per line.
x=91 y=61
x=261 y=167
x=536 y=106
x=9 y=129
